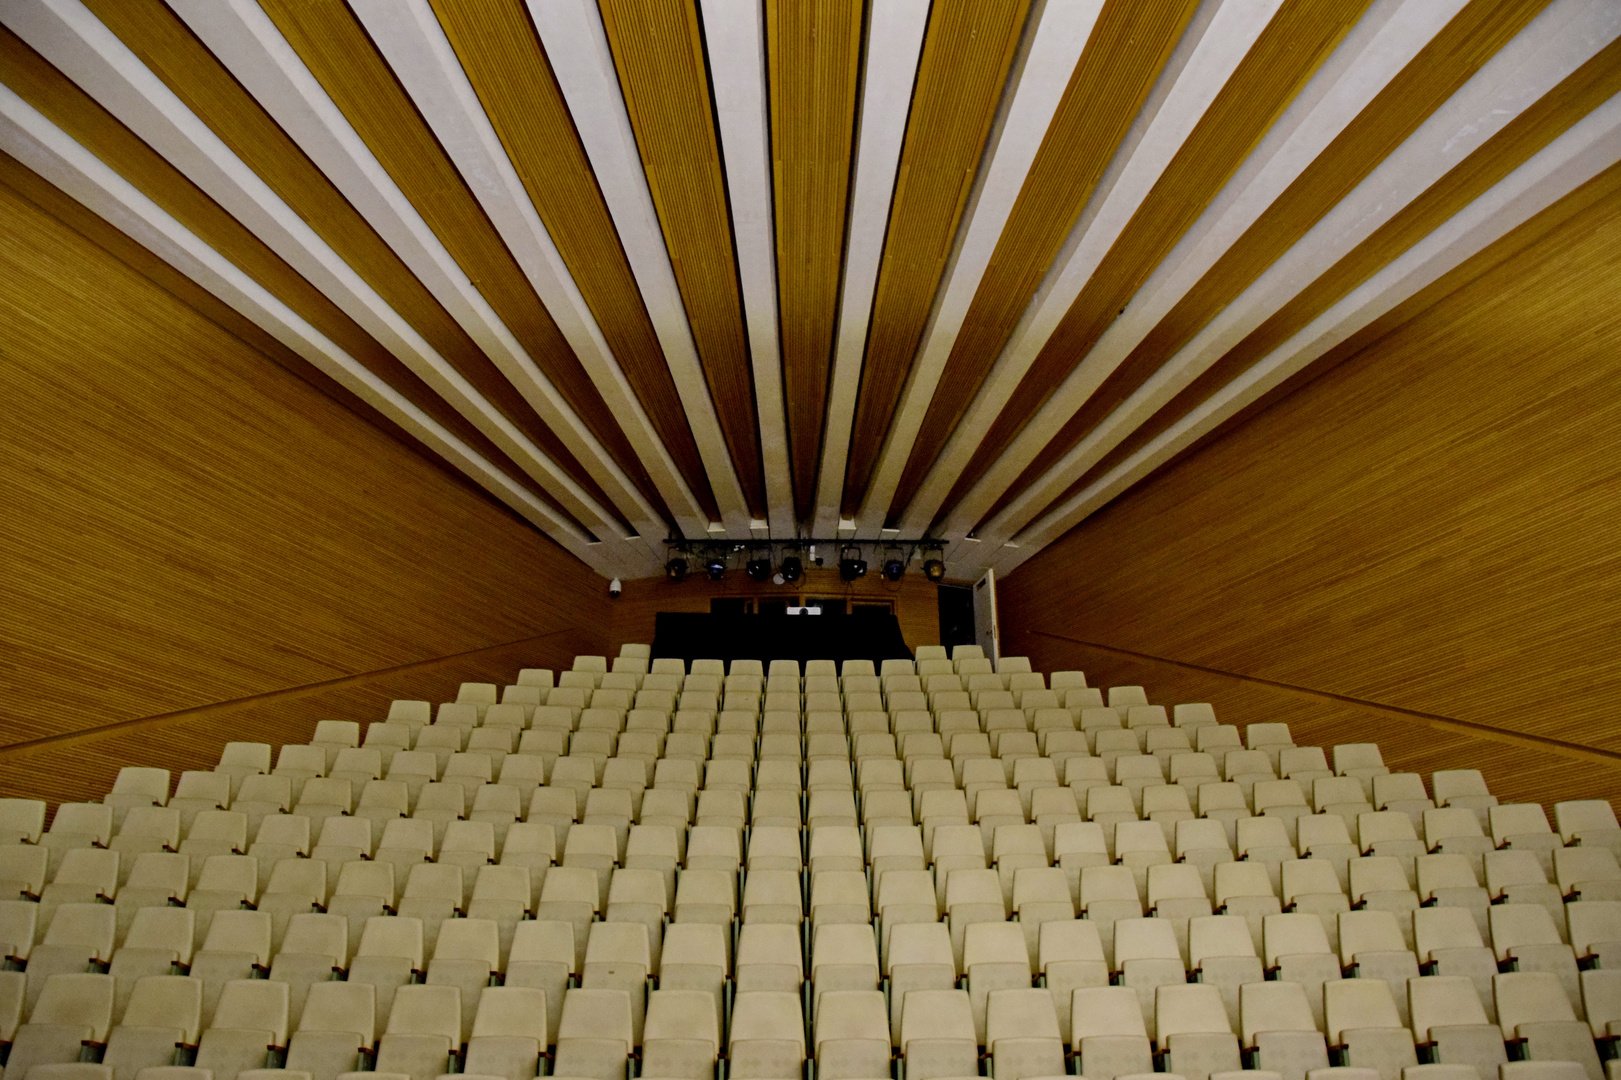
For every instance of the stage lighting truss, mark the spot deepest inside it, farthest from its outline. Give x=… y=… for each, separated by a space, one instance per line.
x=784 y=561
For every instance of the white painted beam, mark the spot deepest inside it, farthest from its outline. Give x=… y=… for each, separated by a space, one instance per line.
x=41 y=146
x=416 y=48
x=1565 y=36
x=1587 y=149
x=894 y=45
x=86 y=51
x=577 y=46
x=734 y=39
x=1059 y=40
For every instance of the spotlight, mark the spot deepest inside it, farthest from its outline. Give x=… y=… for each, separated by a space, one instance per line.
x=851 y=566
x=715 y=566
x=893 y=568
x=758 y=569
x=934 y=570
x=614 y=589
x=792 y=567
x=676 y=569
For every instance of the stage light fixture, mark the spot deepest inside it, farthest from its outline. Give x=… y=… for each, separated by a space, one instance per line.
x=893 y=568
x=934 y=570
x=851 y=566
x=758 y=569
x=676 y=569
x=715 y=567
x=791 y=569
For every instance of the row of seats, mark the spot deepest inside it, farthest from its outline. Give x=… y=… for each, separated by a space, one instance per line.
x=839 y=891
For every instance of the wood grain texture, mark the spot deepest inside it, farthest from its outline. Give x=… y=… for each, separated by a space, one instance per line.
x=189 y=523
x=967 y=51
x=658 y=52
x=1577 y=95
x=1450 y=59
x=1128 y=49
x=917 y=604
x=1428 y=526
x=814 y=58
x=1517 y=768
x=82 y=767
x=504 y=60
x=97 y=130
x=29 y=185
x=1278 y=65
x=335 y=47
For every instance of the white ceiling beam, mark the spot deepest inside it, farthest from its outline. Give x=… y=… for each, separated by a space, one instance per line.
x=577 y=46
x=1581 y=153
x=1212 y=56
x=47 y=150
x=87 y=52
x=894 y=45
x=249 y=44
x=1564 y=37
x=1037 y=88
x=734 y=40
x=421 y=56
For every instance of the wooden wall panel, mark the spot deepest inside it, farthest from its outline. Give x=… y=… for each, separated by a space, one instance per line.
x=340 y=54
x=1127 y=51
x=1439 y=69
x=97 y=130
x=188 y=523
x=917 y=605
x=1582 y=91
x=967 y=52
x=1428 y=527
x=659 y=54
x=1278 y=65
x=814 y=57
x=497 y=45
x=83 y=766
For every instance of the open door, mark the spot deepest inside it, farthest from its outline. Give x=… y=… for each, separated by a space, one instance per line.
x=985 y=628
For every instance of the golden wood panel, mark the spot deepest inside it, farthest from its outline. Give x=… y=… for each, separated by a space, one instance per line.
x=1448 y=61
x=814 y=51
x=503 y=57
x=967 y=51
x=1582 y=91
x=335 y=47
x=32 y=187
x=1517 y=768
x=916 y=600
x=1283 y=59
x=1127 y=50
x=82 y=767
x=190 y=523
x=1428 y=526
x=658 y=51
x=46 y=89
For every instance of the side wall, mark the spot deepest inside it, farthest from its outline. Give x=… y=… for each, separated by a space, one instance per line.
x=1418 y=548
x=200 y=546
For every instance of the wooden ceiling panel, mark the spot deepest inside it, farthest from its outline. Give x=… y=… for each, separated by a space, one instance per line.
x=1285 y=56
x=1594 y=83
x=960 y=80
x=45 y=88
x=814 y=55
x=1128 y=48
x=1449 y=60
x=658 y=51
x=338 y=52
x=502 y=55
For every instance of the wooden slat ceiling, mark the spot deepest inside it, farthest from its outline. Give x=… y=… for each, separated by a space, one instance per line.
x=1208 y=199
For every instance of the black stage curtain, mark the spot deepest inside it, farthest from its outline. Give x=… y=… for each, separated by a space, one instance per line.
x=691 y=637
